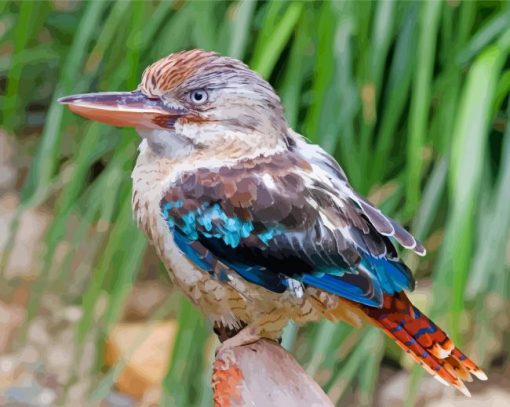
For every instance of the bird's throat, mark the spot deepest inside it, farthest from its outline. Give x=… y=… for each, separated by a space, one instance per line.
x=166 y=143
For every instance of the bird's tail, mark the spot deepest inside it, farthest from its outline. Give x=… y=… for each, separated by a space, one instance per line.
x=424 y=341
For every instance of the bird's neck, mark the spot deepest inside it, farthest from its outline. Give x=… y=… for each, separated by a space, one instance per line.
x=192 y=141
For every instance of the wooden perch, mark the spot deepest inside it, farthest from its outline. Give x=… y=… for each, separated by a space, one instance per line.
x=263 y=374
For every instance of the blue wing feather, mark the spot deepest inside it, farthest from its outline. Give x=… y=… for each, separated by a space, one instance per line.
x=346 y=289
x=264 y=219
x=223 y=236
x=393 y=276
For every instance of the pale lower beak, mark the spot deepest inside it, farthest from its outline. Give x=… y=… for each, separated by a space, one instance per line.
x=124 y=109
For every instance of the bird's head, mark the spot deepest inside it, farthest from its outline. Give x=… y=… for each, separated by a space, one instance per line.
x=193 y=100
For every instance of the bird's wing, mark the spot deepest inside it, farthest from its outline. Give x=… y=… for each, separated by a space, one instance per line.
x=284 y=221
x=382 y=223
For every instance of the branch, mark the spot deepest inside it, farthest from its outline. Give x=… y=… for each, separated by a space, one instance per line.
x=263 y=374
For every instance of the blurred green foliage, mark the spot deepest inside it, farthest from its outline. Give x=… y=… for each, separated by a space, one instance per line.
x=411 y=97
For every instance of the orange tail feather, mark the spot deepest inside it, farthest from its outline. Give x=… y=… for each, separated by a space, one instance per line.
x=424 y=341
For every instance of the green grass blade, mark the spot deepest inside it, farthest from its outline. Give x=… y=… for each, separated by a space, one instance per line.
x=268 y=50
x=46 y=159
x=468 y=151
x=240 y=28
x=420 y=101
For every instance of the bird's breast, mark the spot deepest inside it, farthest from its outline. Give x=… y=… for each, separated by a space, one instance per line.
x=147 y=192
x=212 y=297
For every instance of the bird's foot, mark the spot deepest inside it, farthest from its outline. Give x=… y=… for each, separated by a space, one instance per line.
x=245 y=336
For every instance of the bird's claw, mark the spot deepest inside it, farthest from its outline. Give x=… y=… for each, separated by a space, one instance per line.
x=225 y=351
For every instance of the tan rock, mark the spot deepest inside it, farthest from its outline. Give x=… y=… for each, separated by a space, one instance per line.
x=145 y=297
x=24 y=259
x=8 y=172
x=11 y=318
x=145 y=349
x=393 y=390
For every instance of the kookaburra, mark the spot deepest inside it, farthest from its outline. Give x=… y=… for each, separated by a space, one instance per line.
x=256 y=226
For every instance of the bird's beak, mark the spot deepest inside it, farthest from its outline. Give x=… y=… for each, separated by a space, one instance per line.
x=124 y=109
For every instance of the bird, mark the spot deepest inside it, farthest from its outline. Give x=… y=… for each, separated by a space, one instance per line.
x=255 y=225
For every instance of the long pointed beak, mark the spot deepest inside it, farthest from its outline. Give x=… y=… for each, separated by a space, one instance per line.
x=124 y=109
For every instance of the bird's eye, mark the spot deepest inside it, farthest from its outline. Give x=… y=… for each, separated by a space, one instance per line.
x=199 y=96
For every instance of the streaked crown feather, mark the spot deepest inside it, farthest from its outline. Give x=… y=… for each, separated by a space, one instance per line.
x=178 y=68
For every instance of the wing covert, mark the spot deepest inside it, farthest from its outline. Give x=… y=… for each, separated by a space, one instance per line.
x=275 y=221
